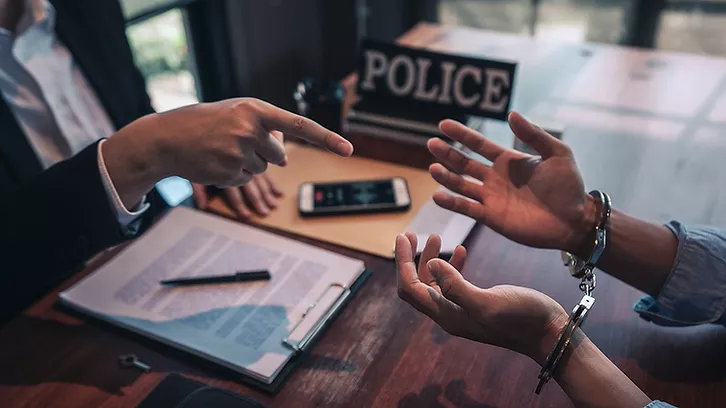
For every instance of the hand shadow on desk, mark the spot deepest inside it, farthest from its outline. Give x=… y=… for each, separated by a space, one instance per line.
x=694 y=354
x=455 y=393
x=36 y=350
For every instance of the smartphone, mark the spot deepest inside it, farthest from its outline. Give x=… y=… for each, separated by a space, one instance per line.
x=354 y=197
x=176 y=191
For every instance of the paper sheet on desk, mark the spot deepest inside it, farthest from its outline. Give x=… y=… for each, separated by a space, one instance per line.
x=240 y=326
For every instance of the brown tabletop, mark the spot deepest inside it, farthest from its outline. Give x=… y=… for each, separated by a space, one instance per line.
x=382 y=353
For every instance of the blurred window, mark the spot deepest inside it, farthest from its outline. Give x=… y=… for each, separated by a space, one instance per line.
x=561 y=20
x=160 y=46
x=693 y=26
x=506 y=16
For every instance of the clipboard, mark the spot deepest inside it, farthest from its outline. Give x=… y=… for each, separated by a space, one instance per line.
x=273 y=388
x=311 y=337
x=316 y=320
x=214 y=329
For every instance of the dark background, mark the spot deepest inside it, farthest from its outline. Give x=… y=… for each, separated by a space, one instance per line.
x=262 y=48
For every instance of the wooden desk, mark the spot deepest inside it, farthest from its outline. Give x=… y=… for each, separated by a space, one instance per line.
x=382 y=353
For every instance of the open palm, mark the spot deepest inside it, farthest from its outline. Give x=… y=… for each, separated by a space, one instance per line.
x=520 y=319
x=538 y=201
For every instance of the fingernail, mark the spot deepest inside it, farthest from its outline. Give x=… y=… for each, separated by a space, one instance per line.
x=434 y=294
x=264 y=210
x=434 y=267
x=345 y=148
x=243 y=213
x=437 y=170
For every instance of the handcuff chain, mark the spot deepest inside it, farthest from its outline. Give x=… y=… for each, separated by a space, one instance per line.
x=588 y=282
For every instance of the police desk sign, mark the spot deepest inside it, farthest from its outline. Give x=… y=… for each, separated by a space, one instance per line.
x=429 y=86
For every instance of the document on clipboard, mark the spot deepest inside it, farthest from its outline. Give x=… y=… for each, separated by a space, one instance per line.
x=257 y=328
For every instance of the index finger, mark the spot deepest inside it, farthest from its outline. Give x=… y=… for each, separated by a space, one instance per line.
x=274 y=118
x=541 y=141
x=471 y=139
x=271 y=148
x=410 y=288
x=430 y=251
x=405 y=265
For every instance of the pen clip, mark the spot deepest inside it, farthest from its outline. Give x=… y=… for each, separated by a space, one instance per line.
x=298 y=345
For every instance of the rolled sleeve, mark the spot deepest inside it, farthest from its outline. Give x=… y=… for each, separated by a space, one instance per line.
x=129 y=220
x=695 y=291
x=659 y=404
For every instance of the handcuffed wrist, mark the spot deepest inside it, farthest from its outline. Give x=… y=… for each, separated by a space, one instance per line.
x=583 y=242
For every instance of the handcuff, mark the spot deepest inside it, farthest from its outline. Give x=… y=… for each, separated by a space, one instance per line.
x=585 y=271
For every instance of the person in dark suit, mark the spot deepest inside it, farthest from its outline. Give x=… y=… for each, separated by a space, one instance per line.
x=68 y=81
x=82 y=43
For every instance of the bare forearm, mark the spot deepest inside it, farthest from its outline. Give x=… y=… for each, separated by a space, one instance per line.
x=590 y=379
x=638 y=252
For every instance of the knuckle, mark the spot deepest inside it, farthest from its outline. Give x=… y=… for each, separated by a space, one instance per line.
x=459 y=205
x=458 y=158
x=446 y=287
x=478 y=144
x=459 y=182
x=300 y=123
x=247 y=130
x=451 y=155
x=247 y=104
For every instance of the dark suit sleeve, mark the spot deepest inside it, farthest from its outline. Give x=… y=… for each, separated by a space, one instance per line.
x=50 y=225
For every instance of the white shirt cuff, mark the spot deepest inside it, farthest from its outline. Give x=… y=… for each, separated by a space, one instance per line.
x=129 y=220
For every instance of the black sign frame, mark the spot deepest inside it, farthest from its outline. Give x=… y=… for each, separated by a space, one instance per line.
x=377 y=96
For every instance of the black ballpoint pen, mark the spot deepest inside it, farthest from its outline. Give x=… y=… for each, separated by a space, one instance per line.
x=237 y=277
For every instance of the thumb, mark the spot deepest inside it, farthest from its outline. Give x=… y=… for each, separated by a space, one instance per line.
x=544 y=143
x=271 y=149
x=280 y=138
x=453 y=286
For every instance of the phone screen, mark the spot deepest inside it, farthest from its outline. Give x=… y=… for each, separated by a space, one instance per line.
x=358 y=194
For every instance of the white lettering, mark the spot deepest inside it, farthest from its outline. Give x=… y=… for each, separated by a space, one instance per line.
x=447 y=68
x=462 y=99
x=410 y=78
x=421 y=92
x=496 y=79
x=376 y=65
